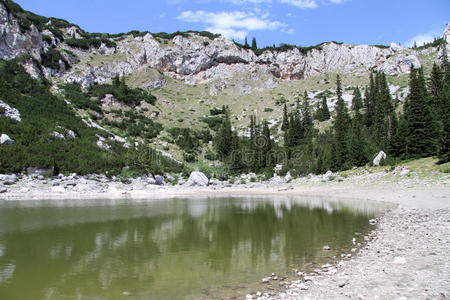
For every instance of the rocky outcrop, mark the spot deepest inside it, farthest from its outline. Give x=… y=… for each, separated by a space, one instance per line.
x=196 y=59
x=13 y=42
x=10 y=112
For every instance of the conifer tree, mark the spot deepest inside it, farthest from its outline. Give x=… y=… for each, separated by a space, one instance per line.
x=369 y=102
x=246 y=45
x=285 y=123
x=224 y=136
x=254 y=45
x=341 y=126
x=398 y=142
x=357 y=141
x=267 y=147
x=357 y=99
x=444 y=153
x=307 y=121
x=423 y=126
x=325 y=110
x=236 y=160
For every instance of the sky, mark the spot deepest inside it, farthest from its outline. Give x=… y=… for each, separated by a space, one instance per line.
x=271 y=22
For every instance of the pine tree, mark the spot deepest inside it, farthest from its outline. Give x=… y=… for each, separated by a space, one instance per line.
x=224 y=136
x=246 y=45
x=254 y=45
x=285 y=123
x=307 y=121
x=235 y=157
x=436 y=86
x=444 y=153
x=357 y=141
x=398 y=142
x=341 y=126
x=325 y=110
x=357 y=99
x=423 y=126
x=267 y=148
x=369 y=102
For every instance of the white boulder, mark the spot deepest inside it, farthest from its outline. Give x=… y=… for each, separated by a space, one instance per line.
x=10 y=112
x=197 y=178
x=5 y=139
x=377 y=160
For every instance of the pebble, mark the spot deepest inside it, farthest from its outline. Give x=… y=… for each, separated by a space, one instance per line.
x=265 y=280
x=326 y=247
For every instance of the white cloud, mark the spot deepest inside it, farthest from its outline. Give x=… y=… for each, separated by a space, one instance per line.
x=231 y=24
x=296 y=3
x=301 y=3
x=423 y=38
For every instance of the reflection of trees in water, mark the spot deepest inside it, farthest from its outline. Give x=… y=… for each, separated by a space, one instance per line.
x=85 y=258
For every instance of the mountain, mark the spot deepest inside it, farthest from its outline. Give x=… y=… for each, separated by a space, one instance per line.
x=179 y=79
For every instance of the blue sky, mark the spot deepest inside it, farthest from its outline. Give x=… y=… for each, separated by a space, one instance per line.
x=299 y=22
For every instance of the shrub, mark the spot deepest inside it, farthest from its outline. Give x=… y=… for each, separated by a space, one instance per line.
x=268 y=109
x=51 y=59
x=87 y=43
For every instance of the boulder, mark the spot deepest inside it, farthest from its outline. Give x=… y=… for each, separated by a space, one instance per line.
x=288 y=177
x=377 y=160
x=170 y=178
x=56 y=134
x=6 y=140
x=36 y=172
x=71 y=134
x=327 y=175
x=8 y=179
x=197 y=179
x=149 y=179
x=159 y=180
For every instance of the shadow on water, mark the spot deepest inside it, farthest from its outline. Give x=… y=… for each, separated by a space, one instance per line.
x=166 y=249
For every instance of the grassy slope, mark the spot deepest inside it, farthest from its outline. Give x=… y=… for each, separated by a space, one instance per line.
x=182 y=105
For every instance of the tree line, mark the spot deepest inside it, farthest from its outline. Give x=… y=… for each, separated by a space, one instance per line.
x=373 y=122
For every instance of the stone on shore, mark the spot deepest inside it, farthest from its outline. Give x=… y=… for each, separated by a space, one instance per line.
x=159 y=180
x=197 y=179
x=377 y=160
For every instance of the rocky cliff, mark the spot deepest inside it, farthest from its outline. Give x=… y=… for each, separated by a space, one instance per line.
x=193 y=58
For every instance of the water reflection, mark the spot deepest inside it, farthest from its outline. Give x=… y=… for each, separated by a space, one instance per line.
x=164 y=249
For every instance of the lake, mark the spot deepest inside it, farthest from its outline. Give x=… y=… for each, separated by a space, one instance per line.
x=196 y=248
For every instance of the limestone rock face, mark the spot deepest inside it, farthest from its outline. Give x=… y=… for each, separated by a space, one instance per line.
x=196 y=59
x=13 y=42
x=197 y=179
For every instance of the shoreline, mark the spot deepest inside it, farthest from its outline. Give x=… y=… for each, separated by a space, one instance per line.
x=405 y=257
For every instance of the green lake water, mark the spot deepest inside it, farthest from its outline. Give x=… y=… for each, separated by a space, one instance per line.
x=168 y=249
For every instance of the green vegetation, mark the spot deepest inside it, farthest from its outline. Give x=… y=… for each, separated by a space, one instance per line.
x=88 y=43
x=26 y=19
x=136 y=125
x=51 y=59
x=121 y=91
x=43 y=113
x=354 y=138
